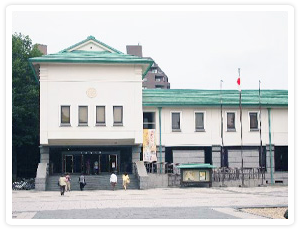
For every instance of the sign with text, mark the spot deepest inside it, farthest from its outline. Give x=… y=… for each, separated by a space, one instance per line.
x=149 y=146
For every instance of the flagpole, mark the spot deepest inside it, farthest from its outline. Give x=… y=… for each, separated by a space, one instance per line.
x=222 y=144
x=261 y=153
x=239 y=70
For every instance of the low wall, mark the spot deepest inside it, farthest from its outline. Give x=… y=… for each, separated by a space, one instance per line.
x=41 y=177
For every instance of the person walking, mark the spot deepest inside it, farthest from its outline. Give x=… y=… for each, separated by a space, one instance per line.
x=126 y=180
x=96 y=167
x=113 y=180
x=82 y=181
x=62 y=184
x=68 y=182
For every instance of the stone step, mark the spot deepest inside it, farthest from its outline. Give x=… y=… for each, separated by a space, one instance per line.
x=94 y=182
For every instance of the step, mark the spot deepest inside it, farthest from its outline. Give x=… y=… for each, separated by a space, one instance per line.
x=94 y=182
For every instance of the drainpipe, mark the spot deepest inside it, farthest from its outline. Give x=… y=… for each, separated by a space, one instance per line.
x=270 y=145
x=160 y=148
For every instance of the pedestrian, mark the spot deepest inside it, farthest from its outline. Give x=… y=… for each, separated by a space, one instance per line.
x=96 y=167
x=126 y=180
x=68 y=182
x=62 y=184
x=82 y=181
x=113 y=180
x=88 y=167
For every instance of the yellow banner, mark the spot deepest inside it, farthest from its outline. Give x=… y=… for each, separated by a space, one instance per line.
x=149 y=146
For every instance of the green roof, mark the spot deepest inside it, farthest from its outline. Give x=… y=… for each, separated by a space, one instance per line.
x=193 y=97
x=88 y=39
x=194 y=166
x=80 y=56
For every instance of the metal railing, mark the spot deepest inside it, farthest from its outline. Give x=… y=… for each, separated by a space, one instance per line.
x=227 y=174
x=162 y=168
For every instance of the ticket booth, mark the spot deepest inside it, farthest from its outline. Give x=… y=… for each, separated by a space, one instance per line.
x=196 y=175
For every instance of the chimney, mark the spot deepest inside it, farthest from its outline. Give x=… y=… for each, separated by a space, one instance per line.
x=42 y=48
x=134 y=50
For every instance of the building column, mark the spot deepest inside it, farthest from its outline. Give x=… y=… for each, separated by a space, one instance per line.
x=44 y=154
x=216 y=155
x=270 y=159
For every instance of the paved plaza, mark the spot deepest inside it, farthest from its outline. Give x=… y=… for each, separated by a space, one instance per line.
x=164 y=203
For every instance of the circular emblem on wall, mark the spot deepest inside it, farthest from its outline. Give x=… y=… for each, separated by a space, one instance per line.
x=91 y=92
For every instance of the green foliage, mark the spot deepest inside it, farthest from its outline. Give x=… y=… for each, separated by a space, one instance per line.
x=25 y=93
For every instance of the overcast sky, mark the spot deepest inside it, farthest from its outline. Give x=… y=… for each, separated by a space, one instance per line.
x=195 y=49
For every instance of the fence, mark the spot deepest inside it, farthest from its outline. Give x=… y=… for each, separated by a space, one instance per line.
x=227 y=174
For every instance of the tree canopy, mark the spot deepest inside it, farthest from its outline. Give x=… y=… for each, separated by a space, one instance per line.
x=25 y=96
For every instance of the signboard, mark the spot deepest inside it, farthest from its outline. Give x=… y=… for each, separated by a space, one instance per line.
x=195 y=175
x=149 y=146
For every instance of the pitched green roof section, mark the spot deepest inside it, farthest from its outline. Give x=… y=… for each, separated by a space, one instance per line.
x=81 y=56
x=90 y=38
x=191 y=97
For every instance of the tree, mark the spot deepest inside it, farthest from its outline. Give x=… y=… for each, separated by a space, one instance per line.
x=25 y=106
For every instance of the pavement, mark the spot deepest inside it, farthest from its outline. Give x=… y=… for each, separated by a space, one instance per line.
x=163 y=203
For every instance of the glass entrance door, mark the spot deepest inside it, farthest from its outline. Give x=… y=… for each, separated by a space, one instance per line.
x=68 y=163
x=113 y=162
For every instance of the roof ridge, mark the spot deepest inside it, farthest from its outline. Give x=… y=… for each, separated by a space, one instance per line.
x=88 y=39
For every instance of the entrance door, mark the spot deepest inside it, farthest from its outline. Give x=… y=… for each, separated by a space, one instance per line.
x=78 y=163
x=113 y=162
x=68 y=163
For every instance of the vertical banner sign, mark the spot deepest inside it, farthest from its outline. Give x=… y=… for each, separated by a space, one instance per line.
x=149 y=146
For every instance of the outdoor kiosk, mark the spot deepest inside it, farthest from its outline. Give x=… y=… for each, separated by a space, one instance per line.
x=199 y=175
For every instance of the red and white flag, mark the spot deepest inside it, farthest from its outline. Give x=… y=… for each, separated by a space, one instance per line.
x=239 y=83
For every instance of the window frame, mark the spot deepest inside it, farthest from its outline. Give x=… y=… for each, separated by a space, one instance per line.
x=253 y=129
x=231 y=129
x=180 y=121
x=100 y=123
x=122 y=116
x=62 y=124
x=83 y=123
x=204 y=121
x=153 y=116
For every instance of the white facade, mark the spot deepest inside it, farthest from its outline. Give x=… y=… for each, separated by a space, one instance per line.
x=69 y=84
x=211 y=135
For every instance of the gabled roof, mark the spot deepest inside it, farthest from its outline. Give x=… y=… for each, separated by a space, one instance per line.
x=71 y=55
x=90 y=38
x=193 y=97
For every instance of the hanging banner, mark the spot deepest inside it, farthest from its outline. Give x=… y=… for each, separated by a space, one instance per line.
x=149 y=146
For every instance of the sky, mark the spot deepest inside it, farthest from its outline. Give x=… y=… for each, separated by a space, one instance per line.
x=195 y=49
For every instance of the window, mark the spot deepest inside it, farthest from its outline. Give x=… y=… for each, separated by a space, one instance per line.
x=144 y=87
x=159 y=86
x=158 y=79
x=230 y=121
x=83 y=116
x=176 y=122
x=154 y=70
x=199 y=121
x=65 y=115
x=118 y=115
x=253 y=121
x=148 y=120
x=145 y=79
x=100 y=115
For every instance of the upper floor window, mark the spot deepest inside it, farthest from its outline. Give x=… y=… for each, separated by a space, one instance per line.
x=154 y=70
x=100 y=115
x=176 y=121
x=230 y=121
x=65 y=115
x=253 y=116
x=158 y=79
x=83 y=115
x=148 y=120
x=199 y=121
x=118 y=115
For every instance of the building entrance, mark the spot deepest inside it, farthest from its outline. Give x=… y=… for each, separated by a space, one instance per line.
x=90 y=163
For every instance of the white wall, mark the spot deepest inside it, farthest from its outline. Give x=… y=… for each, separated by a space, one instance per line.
x=212 y=120
x=67 y=84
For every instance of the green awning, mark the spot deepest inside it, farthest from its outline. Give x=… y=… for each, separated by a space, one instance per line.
x=196 y=166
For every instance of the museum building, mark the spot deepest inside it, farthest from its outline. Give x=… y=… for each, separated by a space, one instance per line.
x=93 y=110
